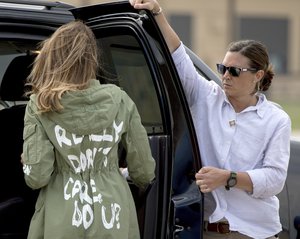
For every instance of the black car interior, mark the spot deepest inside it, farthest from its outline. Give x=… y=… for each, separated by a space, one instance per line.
x=16 y=199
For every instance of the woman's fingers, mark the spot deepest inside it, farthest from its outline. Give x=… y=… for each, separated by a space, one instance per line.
x=142 y=4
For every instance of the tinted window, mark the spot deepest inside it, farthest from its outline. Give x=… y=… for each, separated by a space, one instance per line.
x=125 y=65
x=8 y=51
x=16 y=58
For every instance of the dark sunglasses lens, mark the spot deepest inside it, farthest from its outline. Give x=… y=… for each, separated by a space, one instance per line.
x=234 y=71
x=221 y=69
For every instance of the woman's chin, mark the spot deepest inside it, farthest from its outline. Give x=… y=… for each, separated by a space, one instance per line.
x=227 y=89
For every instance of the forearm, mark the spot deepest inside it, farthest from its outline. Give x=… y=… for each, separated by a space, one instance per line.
x=170 y=36
x=244 y=182
x=210 y=178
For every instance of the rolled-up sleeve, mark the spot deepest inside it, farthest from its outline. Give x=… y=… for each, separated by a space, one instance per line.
x=269 y=180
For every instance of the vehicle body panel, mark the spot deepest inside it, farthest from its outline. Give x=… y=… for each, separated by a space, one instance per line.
x=290 y=195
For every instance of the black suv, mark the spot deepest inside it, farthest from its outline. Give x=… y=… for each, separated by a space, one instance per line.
x=135 y=57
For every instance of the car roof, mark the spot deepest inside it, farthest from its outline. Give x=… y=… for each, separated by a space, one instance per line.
x=34 y=12
x=35 y=4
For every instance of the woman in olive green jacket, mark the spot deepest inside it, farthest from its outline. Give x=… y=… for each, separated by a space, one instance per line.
x=73 y=126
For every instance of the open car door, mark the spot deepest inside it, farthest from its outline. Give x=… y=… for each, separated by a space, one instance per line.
x=135 y=57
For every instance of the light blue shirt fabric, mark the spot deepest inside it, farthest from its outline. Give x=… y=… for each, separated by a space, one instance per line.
x=256 y=141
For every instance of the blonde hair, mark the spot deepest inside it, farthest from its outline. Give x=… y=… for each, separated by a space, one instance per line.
x=67 y=61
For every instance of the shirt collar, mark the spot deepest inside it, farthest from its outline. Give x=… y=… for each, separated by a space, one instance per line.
x=260 y=106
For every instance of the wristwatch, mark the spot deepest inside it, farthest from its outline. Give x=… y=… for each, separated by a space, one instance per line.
x=231 y=181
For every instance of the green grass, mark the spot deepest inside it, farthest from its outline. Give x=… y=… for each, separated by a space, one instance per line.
x=293 y=110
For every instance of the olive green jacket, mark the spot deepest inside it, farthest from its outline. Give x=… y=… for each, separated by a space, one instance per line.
x=72 y=156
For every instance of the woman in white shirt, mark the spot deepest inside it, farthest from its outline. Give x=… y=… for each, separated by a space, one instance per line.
x=244 y=139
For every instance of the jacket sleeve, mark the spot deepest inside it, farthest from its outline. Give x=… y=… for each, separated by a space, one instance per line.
x=38 y=152
x=141 y=165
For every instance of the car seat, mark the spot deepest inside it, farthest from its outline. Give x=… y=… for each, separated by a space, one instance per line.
x=17 y=200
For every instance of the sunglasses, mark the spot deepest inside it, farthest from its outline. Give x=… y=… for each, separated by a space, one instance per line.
x=234 y=71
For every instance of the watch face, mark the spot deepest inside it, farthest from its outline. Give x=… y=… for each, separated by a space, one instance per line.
x=231 y=182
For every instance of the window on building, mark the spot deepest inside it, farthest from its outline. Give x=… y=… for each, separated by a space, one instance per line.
x=182 y=24
x=273 y=32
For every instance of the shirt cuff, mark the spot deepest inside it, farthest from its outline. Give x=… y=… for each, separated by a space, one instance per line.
x=258 y=180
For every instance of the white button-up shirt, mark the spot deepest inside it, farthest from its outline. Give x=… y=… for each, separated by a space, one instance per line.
x=256 y=141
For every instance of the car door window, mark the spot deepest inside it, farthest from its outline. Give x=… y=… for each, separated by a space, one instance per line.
x=125 y=65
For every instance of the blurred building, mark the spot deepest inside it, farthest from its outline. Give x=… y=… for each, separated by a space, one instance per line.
x=208 y=26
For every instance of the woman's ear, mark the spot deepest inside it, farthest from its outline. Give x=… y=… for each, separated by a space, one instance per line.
x=259 y=75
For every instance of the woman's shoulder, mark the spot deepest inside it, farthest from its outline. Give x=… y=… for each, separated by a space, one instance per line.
x=31 y=104
x=276 y=111
x=112 y=88
x=118 y=93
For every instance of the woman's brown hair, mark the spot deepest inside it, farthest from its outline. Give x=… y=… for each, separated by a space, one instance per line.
x=67 y=61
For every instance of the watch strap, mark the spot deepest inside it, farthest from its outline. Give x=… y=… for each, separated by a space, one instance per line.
x=232 y=177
